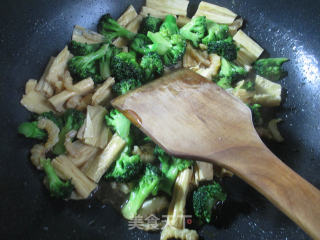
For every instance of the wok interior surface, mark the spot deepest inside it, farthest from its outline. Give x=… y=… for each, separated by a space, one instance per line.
x=32 y=31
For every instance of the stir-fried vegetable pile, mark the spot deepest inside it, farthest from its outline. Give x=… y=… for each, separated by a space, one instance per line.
x=82 y=139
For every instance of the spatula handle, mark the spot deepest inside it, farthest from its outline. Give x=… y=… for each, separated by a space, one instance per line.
x=293 y=195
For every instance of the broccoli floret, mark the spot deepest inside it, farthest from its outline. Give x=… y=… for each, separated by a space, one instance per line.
x=57 y=187
x=169 y=27
x=138 y=137
x=161 y=154
x=126 y=168
x=248 y=85
x=162 y=44
x=172 y=49
x=232 y=70
x=229 y=73
x=124 y=66
x=147 y=185
x=194 y=30
x=216 y=32
x=225 y=48
x=31 y=130
x=125 y=85
x=170 y=44
x=82 y=49
x=54 y=118
x=151 y=24
x=205 y=198
x=82 y=67
x=119 y=123
x=142 y=44
x=177 y=50
x=170 y=167
x=271 y=68
x=224 y=82
x=256 y=114
x=219 y=41
x=104 y=62
x=152 y=66
x=111 y=29
x=73 y=120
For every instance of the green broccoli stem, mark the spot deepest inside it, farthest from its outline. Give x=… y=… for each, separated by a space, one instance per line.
x=31 y=130
x=163 y=45
x=137 y=197
x=49 y=170
x=104 y=65
x=105 y=61
x=59 y=148
x=148 y=184
x=111 y=29
x=168 y=181
x=73 y=119
x=123 y=32
x=96 y=55
x=57 y=187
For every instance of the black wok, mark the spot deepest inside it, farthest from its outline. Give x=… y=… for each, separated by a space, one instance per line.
x=31 y=31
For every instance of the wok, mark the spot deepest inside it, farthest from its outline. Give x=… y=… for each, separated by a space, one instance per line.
x=31 y=31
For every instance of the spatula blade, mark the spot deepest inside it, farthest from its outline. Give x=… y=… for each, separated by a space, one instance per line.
x=188 y=115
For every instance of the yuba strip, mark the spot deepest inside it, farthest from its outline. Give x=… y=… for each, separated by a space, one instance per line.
x=249 y=50
x=216 y=13
x=95 y=169
x=174 y=7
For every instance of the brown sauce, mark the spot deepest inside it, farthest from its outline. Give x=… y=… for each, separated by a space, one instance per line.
x=133 y=117
x=109 y=195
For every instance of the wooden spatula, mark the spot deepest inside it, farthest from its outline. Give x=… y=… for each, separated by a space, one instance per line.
x=191 y=117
